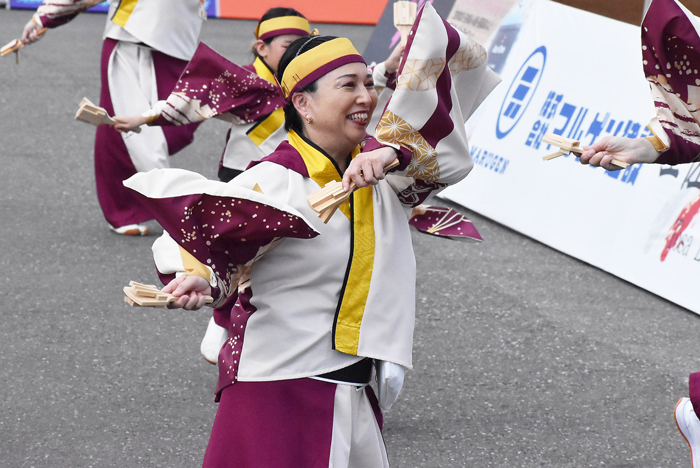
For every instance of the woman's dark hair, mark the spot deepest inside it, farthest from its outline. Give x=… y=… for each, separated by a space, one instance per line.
x=292 y=119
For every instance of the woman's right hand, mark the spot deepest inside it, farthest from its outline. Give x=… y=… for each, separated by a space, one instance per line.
x=368 y=168
x=629 y=150
x=128 y=123
x=29 y=34
x=191 y=291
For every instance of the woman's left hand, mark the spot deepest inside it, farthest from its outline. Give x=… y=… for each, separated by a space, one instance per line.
x=30 y=33
x=128 y=123
x=392 y=63
x=190 y=290
x=368 y=168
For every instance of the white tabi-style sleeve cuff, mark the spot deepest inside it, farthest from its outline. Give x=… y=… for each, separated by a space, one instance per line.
x=166 y=254
x=379 y=75
x=169 y=260
x=213 y=282
x=154 y=112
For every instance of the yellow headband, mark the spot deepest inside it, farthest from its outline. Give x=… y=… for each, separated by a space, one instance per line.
x=309 y=66
x=283 y=25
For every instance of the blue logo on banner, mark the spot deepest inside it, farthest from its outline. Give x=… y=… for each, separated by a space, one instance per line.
x=521 y=91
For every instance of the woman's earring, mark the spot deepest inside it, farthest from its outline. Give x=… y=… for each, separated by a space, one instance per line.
x=308 y=119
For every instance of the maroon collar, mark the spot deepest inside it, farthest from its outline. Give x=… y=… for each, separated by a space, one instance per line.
x=287 y=156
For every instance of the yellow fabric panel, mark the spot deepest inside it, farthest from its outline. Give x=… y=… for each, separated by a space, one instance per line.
x=194 y=266
x=267 y=127
x=656 y=141
x=124 y=10
x=319 y=167
x=352 y=308
x=352 y=304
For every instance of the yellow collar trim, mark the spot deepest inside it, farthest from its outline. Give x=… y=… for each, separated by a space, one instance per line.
x=351 y=310
x=353 y=298
x=319 y=166
x=123 y=12
x=263 y=71
x=261 y=131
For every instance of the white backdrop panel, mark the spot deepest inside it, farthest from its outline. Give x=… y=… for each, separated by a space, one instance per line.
x=580 y=75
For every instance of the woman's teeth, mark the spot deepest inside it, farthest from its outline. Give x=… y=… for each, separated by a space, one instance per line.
x=360 y=117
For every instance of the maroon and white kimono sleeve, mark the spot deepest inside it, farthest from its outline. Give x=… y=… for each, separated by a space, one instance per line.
x=59 y=12
x=212 y=86
x=671 y=57
x=224 y=226
x=443 y=78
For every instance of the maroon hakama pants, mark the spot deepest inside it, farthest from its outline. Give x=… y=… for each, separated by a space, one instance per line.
x=694 y=391
x=290 y=424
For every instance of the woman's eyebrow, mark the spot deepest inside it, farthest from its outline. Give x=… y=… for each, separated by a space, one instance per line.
x=349 y=75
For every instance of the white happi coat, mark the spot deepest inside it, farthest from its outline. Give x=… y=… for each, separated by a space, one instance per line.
x=295 y=287
x=293 y=290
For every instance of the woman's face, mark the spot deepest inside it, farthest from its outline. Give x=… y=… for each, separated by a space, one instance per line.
x=341 y=108
x=272 y=52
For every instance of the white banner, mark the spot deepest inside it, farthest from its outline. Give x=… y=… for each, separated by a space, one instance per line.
x=479 y=19
x=579 y=75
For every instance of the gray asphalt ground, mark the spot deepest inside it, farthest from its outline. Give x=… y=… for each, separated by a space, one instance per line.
x=524 y=357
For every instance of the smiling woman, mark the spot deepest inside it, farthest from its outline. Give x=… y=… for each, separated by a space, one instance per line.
x=306 y=322
x=311 y=307
x=330 y=109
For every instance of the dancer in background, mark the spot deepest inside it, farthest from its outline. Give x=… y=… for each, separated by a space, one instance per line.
x=671 y=54
x=247 y=139
x=147 y=44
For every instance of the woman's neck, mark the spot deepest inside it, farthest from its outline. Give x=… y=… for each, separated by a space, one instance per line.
x=338 y=153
